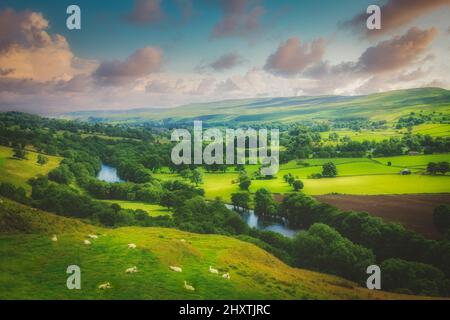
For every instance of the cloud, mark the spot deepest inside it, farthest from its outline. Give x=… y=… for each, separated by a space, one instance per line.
x=395 y=14
x=6 y=71
x=224 y=62
x=241 y=17
x=393 y=54
x=293 y=57
x=141 y=63
x=145 y=12
x=28 y=51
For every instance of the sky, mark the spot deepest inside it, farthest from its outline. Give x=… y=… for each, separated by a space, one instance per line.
x=164 y=53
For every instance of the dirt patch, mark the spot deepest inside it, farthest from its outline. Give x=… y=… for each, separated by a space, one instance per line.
x=414 y=211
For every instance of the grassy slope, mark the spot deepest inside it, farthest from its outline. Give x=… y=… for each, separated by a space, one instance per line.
x=34 y=267
x=153 y=210
x=18 y=171
x=380 y=106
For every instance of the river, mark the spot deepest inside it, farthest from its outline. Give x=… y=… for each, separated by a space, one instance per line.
x=253 y=221
x=109 y=174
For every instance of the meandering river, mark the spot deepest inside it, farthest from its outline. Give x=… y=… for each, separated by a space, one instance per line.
x=109 y=174
x=253 y=221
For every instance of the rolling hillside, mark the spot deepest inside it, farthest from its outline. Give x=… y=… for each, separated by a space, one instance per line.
x=380 y=106
x=34 y=267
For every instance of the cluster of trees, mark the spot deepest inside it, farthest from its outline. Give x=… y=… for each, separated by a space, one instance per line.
x=296 y=184
x=385 y=240
x=194 y=176
x=440 y=167
x=302 y=143
x=8 y=190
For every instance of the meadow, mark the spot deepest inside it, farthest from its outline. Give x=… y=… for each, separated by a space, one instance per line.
x=34 y=267
x=19 y=171
x=359 y=176
x=153 y=210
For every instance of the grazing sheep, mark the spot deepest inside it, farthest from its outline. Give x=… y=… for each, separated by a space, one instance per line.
x=93 y=236
x=212 y=270
x=104 y=286
x=132 y=270
x=176 y=269
x=87 y=242
x=131 y=246
x=188 y=287
x=182 y=240
x=226 y=276
x=54 y=238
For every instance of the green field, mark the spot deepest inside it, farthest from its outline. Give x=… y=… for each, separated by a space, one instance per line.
x=355 y=176
x=375 y=135
x=34 y=267
x=18 y=172
x=435 y=130
x=153 y=210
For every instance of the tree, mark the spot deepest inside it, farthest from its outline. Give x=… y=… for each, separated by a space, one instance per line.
x=322 y=248
x=168 y=199
x=412 y=277
x=240 y=200
x=196 y=177
x=432 y=168
x=265 y=205
x=41 y=159
x=329 y=170
x=186 y=173
x=19 y=152
x=244 y=181
x=62 y=174
x=297 y=185
x=443 y=167
x=441 y=217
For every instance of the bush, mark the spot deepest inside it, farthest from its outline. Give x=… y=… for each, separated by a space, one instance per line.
x=418 y=278
x=322 y=248
x=62 y=174
x=329 y=170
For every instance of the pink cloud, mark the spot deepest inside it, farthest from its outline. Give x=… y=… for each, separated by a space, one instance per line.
x=293 y=57
x=395 y=14
x=141 y=63
x=145 y=12
x=241 y=17
x=398 y=52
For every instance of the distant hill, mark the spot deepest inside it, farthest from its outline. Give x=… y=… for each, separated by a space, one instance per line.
x=380 y=106
x=34 y=266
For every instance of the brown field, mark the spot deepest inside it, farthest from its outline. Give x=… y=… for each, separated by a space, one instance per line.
x=414 y=211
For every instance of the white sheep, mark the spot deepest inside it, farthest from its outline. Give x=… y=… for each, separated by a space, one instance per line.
x=226 y=276
x=131 y=246
x=182 y=240
x=86 y=242
x=54 y=238
x=176 y=269
x=93 y=236
x=132 y=270
x=104 y=286
x=212 y=270
x=188 y=287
